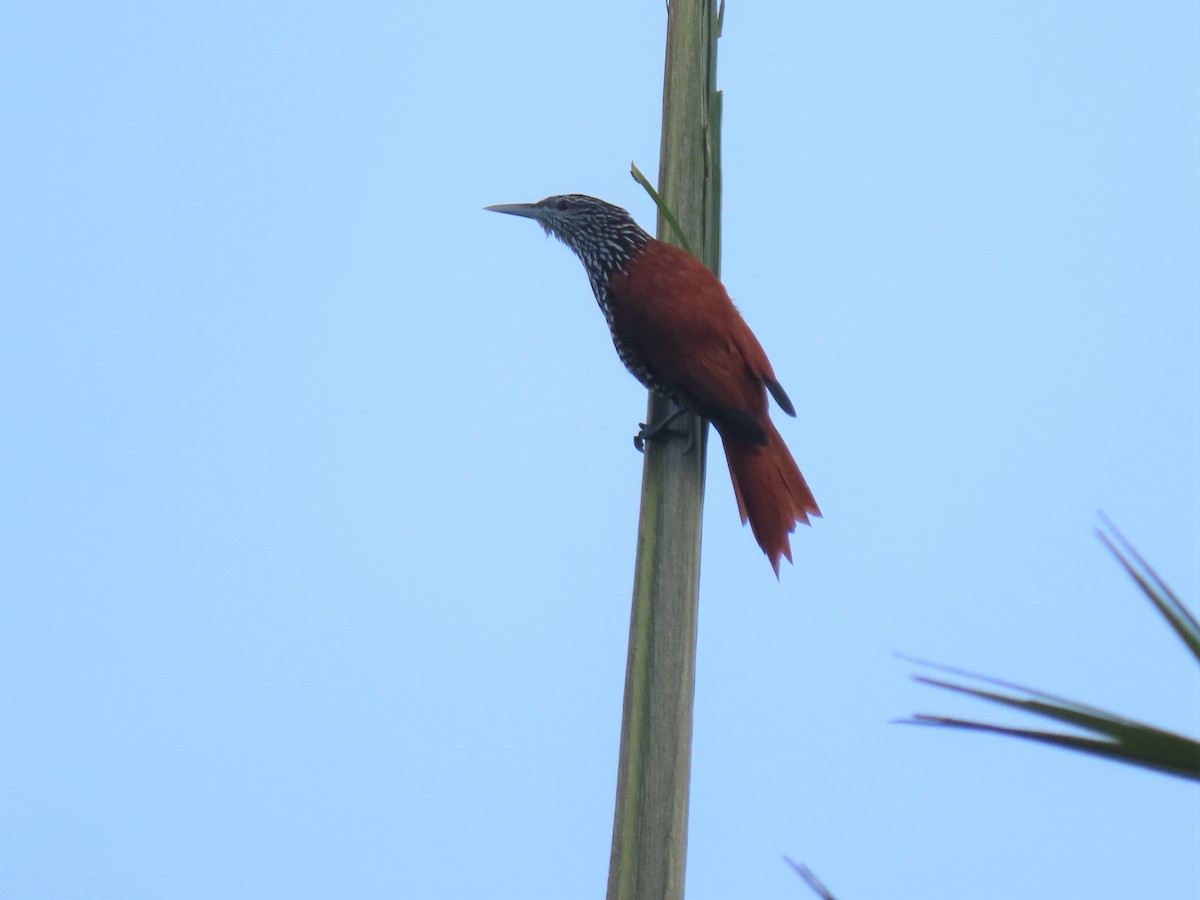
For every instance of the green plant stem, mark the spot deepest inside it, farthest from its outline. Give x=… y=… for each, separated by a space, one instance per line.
x=649 y=846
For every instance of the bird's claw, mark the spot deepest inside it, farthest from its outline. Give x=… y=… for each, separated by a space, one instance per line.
x=662 y=429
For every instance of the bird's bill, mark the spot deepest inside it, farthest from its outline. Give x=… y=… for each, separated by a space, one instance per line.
x=528 y=210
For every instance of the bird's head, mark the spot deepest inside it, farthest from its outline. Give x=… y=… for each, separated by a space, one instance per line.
x=600 y=233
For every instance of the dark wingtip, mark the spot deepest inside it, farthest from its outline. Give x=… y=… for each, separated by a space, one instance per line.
x=780 y=395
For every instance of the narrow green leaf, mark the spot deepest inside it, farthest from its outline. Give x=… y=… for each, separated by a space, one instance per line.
x=1121 y=739
x=1172 y=609
x=662 y=206
x=1182 y=759
x=810 y=879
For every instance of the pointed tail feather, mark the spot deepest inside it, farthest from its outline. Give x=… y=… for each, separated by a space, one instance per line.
x=770 y=491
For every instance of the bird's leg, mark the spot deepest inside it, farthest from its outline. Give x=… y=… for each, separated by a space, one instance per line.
x=660 y=428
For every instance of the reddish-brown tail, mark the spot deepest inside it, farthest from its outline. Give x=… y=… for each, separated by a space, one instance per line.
x=770 y=491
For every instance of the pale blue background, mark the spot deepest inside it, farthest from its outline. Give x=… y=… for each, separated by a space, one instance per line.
x=318 y=502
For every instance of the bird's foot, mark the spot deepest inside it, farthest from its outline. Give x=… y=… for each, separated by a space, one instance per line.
x=663 y=429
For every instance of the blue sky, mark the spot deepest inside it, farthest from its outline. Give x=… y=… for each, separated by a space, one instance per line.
x=318 y=499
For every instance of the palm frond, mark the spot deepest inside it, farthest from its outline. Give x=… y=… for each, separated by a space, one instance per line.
x=1103 y=733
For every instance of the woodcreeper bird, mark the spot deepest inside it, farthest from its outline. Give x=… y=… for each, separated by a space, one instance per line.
x=678 y=332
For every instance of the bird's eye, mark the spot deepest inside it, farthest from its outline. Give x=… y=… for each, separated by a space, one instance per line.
x=561 y=204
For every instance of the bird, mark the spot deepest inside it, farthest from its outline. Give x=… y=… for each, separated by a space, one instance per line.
x=677 y=331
